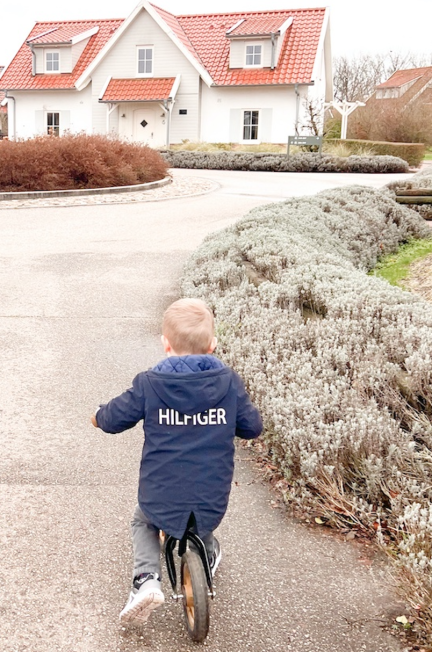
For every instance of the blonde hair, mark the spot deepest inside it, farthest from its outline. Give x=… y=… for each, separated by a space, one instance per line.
x=188 y=325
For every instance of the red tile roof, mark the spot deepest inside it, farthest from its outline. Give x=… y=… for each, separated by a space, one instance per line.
x=19 y=73
x=204 y=36
x=207 y=36
x=401 y=77
x=59 y=34
x=262 y=24
x=139 y=90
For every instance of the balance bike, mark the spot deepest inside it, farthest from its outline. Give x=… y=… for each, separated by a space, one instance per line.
x=196 y=582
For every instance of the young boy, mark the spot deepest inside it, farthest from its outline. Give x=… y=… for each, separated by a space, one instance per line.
x=192 y=406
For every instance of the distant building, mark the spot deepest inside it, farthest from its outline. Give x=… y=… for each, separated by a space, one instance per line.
x=406 y=87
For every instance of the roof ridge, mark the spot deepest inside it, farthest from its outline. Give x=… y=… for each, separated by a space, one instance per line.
x=81 y=20
x=409 y=69
x=249 y=13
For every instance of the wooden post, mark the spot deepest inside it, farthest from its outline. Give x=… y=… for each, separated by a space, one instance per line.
x=414 y=200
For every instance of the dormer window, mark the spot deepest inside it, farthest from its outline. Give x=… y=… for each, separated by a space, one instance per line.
x=145 y=61
x=58 y=50
x=254 y=56
x=52 y=61
x=256 y=41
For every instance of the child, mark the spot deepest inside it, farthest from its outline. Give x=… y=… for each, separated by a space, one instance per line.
x=192 y=406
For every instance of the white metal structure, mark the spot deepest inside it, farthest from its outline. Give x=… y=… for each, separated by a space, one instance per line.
x=345 y=109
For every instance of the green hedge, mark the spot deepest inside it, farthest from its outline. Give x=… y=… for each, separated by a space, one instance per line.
x=412 y=153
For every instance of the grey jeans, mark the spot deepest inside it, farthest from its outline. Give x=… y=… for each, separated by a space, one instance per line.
x=146 y=545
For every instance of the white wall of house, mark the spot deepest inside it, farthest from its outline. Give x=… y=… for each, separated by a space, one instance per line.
x=31 y=109
x=317 y=90
x=223 y=108
x=313 y=96
x=317 y=93
x=121 y=62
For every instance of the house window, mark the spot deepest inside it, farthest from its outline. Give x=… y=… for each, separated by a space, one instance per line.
x=250 y=125
x=53 y=124
x=253 y=55
x=52 y=61
x=145 y=61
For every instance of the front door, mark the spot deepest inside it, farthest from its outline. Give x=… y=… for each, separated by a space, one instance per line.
x=147 y=128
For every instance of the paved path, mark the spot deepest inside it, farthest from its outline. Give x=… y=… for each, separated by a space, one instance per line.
x=181 y=186
x=82 y=290
x=276 y=186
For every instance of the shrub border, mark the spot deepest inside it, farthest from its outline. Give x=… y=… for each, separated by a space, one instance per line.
x=44 y=194
x=269 y=162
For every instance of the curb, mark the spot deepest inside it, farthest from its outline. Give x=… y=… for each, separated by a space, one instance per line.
x=128 y=201
x=46 y=194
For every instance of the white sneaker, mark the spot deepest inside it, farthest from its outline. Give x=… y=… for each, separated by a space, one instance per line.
x=216 y=557
x=145 y=596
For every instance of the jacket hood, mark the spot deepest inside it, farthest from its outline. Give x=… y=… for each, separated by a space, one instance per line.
x=190 y=384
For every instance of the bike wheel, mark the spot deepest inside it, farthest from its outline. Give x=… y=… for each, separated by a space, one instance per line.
x=195 y=596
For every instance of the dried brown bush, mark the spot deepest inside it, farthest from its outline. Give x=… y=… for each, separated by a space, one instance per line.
x=76 y=161
x=386 y=120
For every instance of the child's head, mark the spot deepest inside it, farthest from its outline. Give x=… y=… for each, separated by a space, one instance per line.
x=188 y=328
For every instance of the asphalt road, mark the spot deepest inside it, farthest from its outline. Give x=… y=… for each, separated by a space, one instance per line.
x=82 y=291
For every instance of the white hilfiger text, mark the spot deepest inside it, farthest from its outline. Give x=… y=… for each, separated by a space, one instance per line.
x=212 y=417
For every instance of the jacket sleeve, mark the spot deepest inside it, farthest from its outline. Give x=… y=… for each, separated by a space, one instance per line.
x=124 y=411
x=249 y=423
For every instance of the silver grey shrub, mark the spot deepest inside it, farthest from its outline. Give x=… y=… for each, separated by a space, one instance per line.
x=338 y=362
x=422 y=179
x=306 y=162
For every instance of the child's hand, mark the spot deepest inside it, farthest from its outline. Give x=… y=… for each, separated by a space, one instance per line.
x=94 y=422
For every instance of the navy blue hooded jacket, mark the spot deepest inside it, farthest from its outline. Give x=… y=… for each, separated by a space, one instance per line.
x=192 y=406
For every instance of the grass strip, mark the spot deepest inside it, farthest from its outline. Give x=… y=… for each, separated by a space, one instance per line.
x=395 y=267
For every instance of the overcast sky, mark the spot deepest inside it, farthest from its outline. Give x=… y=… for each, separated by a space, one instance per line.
x=357 y=25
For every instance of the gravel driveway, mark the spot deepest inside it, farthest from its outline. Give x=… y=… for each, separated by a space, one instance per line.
x=82 y=293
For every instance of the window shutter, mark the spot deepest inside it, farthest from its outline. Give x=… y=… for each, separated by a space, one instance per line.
x=235 y=132
x=40 y=125
x=64 y=121
x=265 y=127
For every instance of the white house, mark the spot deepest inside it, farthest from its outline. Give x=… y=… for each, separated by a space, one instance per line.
x=161 y=79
